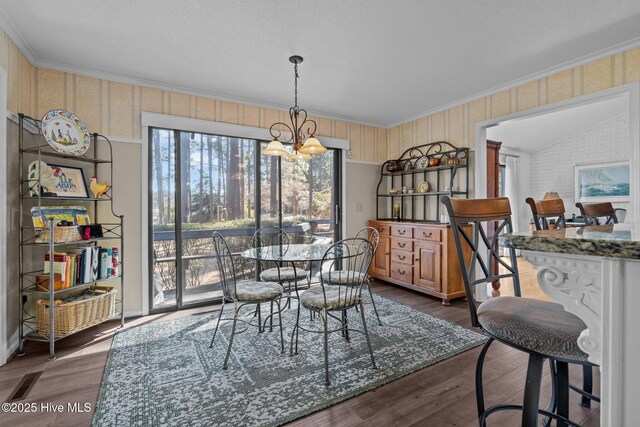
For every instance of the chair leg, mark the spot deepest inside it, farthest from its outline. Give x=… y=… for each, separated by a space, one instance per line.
x=553 y=403
x=373 y=301
x=532 y=391
x=479 y=387
x=587 y=385
x=271 y=319
x=325 y=321
x=260 y=329
x=345 y=326
x=233 y=332
x=294 y=335
x=280 y=324
x=215 y=331
x=366 y=334
x=563 y=392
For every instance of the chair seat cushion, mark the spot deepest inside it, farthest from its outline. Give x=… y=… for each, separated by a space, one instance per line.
x=257 y=291
x=337 y=298
x=286 y=274
x=540 y=326
x=343 y=277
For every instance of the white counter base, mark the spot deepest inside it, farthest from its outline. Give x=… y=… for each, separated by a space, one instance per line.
x=605 y=294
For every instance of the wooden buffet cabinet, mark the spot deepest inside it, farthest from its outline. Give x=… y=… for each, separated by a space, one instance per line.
x=418 y=256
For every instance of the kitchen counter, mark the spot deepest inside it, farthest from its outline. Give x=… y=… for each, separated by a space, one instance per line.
x=614 y=241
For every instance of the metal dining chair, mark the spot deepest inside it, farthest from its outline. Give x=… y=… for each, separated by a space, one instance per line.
x=592 y=212
x=241 y=294
x=372 y=235
x=272 y=271
x=542 y=329
x=340 y=290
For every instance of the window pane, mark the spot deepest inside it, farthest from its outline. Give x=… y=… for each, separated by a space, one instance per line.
x=163 y=212
x=217 y=192
x=308 y=197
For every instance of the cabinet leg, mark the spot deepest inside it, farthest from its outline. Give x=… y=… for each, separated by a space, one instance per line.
x=446 y=302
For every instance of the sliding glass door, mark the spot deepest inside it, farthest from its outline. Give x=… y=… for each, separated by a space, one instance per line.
x=199 y=183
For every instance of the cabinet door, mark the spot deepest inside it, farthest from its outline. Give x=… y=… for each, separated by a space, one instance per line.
x=380 y=264
x=426 y=271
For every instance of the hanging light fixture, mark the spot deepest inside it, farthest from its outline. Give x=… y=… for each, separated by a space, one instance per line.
x=300 y=128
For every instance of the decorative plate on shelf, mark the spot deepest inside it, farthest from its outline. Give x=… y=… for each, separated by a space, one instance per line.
x=422 y=163
x=65 y=132
x=423 y=187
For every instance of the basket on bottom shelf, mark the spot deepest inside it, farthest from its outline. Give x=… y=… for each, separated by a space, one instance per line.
x=77 y=311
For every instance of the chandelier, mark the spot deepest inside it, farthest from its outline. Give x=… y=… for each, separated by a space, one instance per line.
x=300 y=128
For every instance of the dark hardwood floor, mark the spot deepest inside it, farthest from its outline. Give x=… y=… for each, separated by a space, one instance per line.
x=440 y=395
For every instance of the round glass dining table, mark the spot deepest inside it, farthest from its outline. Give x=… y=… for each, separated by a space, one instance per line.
x=290 y=253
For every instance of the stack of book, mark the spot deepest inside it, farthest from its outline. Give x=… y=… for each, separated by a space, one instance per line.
x=79 y=266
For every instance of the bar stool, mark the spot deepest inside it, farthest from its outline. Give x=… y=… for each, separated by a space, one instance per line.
x=542 y=329
x=592 y=212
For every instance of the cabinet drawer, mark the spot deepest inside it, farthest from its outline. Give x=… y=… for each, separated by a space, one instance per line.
x=428 y=233
x=402 y=244
x=402 y=231
x=402 y=272
x=382 y=228
x=405 y=257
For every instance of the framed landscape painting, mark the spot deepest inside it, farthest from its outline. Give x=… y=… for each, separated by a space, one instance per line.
x=604 y=182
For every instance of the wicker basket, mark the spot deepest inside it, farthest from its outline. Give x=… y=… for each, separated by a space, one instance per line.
x=67 y=233
x=74 y=316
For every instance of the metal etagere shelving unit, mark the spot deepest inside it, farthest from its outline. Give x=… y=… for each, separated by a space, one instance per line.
x=412 y=167
x=33 y=146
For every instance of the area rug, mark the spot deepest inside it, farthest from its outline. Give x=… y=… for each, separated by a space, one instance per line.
x=164 y=373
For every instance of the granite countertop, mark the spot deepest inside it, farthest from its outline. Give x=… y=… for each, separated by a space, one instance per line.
x=613 y=241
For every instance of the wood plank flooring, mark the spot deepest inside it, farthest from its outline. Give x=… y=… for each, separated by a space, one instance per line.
x=440 y=395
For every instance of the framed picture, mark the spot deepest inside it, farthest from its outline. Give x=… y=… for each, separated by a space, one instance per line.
x=69 y=182
x=605 y=182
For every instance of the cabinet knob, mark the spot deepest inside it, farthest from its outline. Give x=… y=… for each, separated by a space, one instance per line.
x=401 y=257
x=425 y=234
x=401 y=232
x=402 y=271
x=402 y=245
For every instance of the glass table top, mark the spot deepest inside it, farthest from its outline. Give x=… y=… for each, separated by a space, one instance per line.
x=290 y=253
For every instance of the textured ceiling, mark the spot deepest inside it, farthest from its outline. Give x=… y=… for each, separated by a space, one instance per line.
x=373 y=61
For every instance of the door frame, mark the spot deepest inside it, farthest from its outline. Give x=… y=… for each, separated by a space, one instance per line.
x=632 y=90
x=6 y=347
x=155 y=120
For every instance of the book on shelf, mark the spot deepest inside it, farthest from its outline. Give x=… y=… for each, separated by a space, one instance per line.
x=83 y=265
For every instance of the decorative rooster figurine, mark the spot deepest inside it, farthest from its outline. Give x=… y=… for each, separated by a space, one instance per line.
x=98 y=189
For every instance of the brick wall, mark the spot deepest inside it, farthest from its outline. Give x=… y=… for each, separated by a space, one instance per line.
x=552 y=168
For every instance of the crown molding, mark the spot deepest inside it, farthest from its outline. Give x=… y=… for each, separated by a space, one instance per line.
x=613 y=50
x=16 y=36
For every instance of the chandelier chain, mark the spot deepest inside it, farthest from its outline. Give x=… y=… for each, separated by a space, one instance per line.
x=295 y=85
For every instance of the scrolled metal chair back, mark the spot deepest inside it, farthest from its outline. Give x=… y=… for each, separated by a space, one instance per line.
x=226 y=266
x=271 y=236
x=371 y=234
x=349 y=261
x=465 y=214
x=544 y=210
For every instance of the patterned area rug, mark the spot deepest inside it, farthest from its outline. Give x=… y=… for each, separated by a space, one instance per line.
x=164 y=373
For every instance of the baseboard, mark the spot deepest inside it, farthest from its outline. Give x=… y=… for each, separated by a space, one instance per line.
x=12 y=346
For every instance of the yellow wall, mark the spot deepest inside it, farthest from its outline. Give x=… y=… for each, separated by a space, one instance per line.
x=457 y=124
